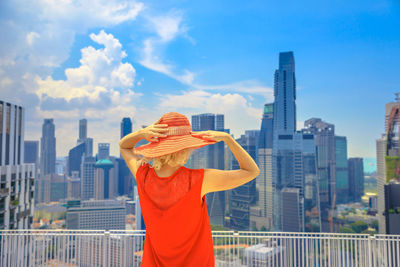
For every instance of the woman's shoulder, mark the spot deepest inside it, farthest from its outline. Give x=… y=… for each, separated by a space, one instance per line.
x=143 y=169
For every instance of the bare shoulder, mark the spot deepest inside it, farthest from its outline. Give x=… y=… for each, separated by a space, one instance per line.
x=220 y=180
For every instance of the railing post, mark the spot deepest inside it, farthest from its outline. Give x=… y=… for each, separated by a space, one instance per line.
x=371 y=250
x=105 y=248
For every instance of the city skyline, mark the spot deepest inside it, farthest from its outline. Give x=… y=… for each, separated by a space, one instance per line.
x=143 y=59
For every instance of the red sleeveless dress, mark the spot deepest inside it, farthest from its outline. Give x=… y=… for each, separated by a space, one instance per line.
x=178 y=231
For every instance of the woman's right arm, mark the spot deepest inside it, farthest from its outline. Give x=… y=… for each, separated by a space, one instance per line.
x=220 y=180
x=126 y=145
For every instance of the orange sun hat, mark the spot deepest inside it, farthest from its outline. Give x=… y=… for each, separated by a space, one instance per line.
x=179 y=136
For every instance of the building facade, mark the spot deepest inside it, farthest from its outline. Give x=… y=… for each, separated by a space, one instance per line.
x=342 y=174
x=16 y=177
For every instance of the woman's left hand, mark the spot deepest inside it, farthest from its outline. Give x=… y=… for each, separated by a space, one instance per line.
x=212 y=135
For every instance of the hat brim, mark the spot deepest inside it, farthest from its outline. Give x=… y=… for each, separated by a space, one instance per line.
x=171 y=144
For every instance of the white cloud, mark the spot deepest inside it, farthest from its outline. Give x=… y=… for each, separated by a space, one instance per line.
x=239 y=113
x=101 y=71
x=248 y=87
x=167 y=28
x=30 y=37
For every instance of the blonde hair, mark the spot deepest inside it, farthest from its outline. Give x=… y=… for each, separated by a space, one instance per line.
x=172 y=159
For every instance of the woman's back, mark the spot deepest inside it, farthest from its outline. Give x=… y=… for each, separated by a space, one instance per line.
x=166 y=191
x=178 y=229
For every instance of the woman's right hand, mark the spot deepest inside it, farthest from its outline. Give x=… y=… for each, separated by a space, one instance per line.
x=152 y=132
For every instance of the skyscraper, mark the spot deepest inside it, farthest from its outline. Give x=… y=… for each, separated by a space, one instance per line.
x=87 y=178
x=342 y=175
x=103 y=151
x=356 y=179
x=125 y=177
x=84 y=139
x=211 y=156
x=75 y=159
x=48 y=148
x=388 y=157
x=324 y=135
x=31 y=154
x=285 y=171
x=293 y=152
x=284 y=129
x=82 y=129
x=261 y=214
x=16 y=177
x=126 y=126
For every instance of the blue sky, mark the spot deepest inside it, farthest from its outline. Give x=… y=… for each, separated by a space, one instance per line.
x=104 y=60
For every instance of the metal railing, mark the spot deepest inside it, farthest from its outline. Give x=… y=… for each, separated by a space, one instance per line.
x=243 y=248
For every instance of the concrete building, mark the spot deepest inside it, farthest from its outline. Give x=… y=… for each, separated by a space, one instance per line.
x=96 y=215
x=16 y=177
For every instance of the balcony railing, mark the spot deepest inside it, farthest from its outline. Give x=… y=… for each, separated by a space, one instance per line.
x=125 y=248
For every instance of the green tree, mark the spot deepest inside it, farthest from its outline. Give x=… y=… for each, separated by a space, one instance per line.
x=359 y=226
x=375 y=225
x=346 y=230
x=263 y=229
x=254 y=228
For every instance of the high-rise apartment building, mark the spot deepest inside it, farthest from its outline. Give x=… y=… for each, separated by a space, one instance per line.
x=16 y=177
x=48 y=148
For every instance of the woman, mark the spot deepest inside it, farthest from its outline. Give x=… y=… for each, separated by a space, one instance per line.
x=178 y=229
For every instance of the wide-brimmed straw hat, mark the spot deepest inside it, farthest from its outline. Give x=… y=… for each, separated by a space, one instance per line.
x=179 y=136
